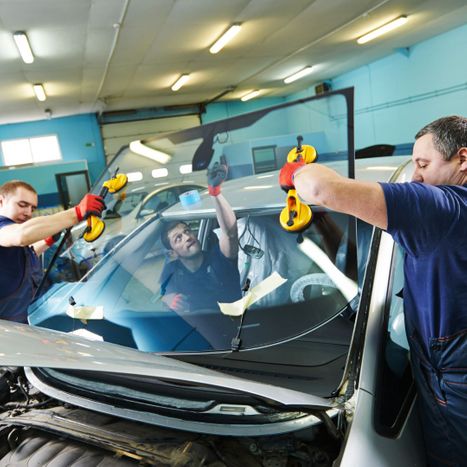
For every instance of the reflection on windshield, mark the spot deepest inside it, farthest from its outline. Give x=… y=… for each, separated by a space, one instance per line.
x=153 y=301
x=140 y=286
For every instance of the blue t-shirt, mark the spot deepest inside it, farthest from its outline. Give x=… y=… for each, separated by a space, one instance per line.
x=12 y=265
x=217 y=280
x=430 y=224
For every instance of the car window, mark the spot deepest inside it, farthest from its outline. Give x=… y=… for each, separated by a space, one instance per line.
x=124 y=204
x=395 y=386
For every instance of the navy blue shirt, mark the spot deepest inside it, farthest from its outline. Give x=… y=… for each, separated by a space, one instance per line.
x=430 y=224
x=12 y=263
x=217 y=280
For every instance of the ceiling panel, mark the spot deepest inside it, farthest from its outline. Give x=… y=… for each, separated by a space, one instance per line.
x=95 y=55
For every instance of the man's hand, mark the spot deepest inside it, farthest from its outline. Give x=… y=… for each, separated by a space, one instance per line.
x=287 y=172
x=176 y=302
x=52 y=239
x=216 y=175
x=89 y=205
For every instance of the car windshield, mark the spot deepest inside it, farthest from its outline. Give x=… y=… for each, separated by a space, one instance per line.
x=277 y=285
x=133 y=290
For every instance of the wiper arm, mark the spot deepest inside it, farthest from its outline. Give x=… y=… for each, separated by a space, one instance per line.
x=237 y=341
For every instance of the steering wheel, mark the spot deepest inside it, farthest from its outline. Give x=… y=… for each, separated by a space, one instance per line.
x=318 y=282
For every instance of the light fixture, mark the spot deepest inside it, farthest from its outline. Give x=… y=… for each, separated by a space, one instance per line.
x=134 y=176
x=300 y=74
x=159 y=173
x=250 y=95
x=225 y=38
x=382 y=30
x=142 y=150
x=185 y=169
x=22 y=42
x=39 y=92
x=180 y=82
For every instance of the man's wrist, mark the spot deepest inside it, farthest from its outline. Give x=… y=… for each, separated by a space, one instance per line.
x=214 y=190
x=297 y=172
x=49 y=241
x=79 y=217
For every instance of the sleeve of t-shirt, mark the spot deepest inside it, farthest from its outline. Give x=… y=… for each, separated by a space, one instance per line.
x=166 y=279
x=420 y=216
x=4 y=221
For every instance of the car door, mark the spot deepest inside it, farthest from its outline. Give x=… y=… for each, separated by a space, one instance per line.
x=385 y=423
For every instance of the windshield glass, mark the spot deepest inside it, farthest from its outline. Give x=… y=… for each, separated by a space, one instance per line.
x=215 y=289
x=150 y=301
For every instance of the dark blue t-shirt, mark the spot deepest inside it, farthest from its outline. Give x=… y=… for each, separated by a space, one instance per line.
x=12 y=263
x=217 y=280
x=430 y=223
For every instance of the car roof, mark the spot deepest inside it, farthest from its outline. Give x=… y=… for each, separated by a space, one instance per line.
x=263 y=190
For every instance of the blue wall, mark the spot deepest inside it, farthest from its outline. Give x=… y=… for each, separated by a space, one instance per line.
x=79 y=138
x=394 y=96
x=399 y=94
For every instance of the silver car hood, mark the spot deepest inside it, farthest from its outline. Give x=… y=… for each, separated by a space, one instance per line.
x=28 y=346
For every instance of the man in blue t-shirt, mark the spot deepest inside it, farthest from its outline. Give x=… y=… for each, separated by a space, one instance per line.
x=428 y=218
x=23 y=238
x=197 y=279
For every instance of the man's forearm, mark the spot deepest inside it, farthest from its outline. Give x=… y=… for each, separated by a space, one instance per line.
x=225 y=216
x=37 y=229
x=318 y=184
x=228 y=224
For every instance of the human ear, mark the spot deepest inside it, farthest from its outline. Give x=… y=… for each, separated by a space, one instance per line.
x=172 y=255
x=463 y=158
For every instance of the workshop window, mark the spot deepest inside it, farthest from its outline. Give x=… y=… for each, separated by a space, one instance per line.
x=264 y=159
x=31 y=150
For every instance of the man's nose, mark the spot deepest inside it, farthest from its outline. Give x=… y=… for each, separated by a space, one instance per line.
x=416 y=177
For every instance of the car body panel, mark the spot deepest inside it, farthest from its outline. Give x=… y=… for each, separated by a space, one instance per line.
x=23 y=345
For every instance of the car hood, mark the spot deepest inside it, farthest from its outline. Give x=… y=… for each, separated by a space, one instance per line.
x=28 y=346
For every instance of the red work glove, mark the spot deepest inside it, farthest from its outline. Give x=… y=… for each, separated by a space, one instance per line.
x=89 y=205
x=176 y=302
x=52 y=239
x=287 y=172
x=216 y=175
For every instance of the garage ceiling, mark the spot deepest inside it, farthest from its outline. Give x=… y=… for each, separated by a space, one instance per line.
x=109 y=55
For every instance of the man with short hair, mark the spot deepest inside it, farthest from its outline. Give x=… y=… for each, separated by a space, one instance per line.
x=23 y=238
x=197 y=279
x=428 y=219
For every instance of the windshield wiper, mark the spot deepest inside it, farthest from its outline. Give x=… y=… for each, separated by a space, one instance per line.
x=237 y=341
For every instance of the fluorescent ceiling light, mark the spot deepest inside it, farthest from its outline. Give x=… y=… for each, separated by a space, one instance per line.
x=225 y=38
x=186 y=169
x=180 y=82
x=39 y=92
x=298 y=75
x=134 y=176
x=159 y=173
x=142 y=150
x=250 y=95
x=382 y=30
x=24 y=48
x=257 y=187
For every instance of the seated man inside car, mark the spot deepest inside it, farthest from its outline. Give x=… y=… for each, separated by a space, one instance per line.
x=197 y=279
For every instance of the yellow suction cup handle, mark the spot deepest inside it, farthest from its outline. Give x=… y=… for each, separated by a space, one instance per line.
x=296 y=216
x=94 y=229
x=306 y=152
x=116 y=183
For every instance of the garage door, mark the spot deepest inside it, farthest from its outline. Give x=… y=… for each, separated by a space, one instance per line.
x=116 y=135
